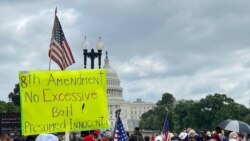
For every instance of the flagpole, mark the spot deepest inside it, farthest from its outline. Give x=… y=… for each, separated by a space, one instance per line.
x=67 y=133
x=49 y=63
x=52 y=37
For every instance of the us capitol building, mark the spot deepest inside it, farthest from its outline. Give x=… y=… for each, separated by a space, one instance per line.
x=130 y=111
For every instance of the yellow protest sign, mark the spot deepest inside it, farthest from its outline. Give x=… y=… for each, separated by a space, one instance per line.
x=59 y=101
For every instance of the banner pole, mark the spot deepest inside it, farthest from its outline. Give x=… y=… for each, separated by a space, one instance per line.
x=66 y=136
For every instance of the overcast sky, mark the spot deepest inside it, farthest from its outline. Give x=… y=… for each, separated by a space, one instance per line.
x=187 y=48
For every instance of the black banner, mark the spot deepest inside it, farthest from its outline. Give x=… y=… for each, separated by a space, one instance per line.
x=10 y=123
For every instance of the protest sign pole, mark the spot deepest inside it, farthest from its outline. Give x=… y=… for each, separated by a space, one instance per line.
x=66 y=136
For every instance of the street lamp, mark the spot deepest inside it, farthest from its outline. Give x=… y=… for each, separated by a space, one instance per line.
x=92 y=54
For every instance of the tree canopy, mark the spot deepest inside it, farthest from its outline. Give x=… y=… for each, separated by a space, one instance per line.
x=153 y=119
x=8 y=107
x=15 y=96
x=205 y=113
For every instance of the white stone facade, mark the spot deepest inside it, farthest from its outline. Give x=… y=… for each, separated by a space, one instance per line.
x=130 y=111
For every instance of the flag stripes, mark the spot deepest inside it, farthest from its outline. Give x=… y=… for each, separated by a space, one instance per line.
x=165 y=130
x=59 y=50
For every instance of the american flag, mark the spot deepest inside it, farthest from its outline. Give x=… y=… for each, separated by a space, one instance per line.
x=59 y=50
x=165 y=130
x=120 y=134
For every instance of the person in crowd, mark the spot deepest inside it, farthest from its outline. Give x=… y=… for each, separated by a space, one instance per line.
x=146 y=138
x=183 y=135
x=233 y=136
x=85 y=133
x=192 y=135
x=209 y=134
x=137 y=131
x=216 y=134
x=89 y=137
x=169 y=137
x=31 y=138
x=153 y=136
x=96 y=134
x=106 y=136
x=222 y=136
x=203 y=135
x=128 y=134
x=75 y=137
x=46 y=137
x=18 y=139
x=176 y=138
x=158 y=138
x=187 y=131
x=136 y=136
x=93 y=134
x=242 y=137
x=5 y=137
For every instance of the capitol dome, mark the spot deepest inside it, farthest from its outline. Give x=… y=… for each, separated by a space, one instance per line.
x=110 y=72
x=114 y=89
x=131 y=112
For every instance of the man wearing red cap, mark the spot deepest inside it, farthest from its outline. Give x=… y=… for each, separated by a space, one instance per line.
x=89 y=138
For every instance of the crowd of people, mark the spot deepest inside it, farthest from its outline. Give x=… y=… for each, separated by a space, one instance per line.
x=96 y=135
x=201 y=135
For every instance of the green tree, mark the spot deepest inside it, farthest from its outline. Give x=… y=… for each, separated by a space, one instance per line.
x=181 y=114
x=215 y=108
x=12 y=108
x=247 y=118
x=15 y=95
x=148 y=119
x=167 y=101
x=2 y=106
x=212 y=109
x=154 y=119
x=8 y=107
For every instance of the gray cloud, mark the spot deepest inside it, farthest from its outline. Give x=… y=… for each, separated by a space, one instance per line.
x=189 y=49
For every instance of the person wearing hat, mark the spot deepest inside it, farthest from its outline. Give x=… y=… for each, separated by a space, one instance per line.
x=46 y=137
x=89 y=138
x=183 y=136
x=176 y=138
x=106 y=136
x=96 y=133
x=158 y=138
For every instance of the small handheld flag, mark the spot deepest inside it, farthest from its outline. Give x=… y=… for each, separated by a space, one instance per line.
x=165 y=130
x=119 y=133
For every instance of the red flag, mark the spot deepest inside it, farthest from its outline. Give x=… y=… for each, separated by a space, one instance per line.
x=59 y=50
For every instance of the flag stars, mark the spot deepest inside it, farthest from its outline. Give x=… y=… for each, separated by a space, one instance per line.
x=120 y=134
x=59 y=35
x=60 y=51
